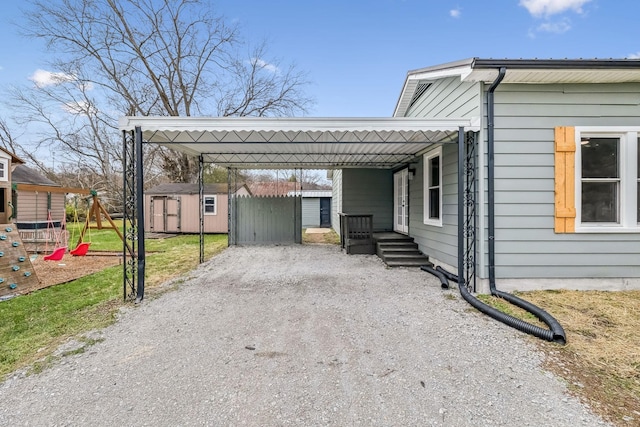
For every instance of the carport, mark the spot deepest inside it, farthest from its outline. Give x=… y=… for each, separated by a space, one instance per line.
x=290 y=143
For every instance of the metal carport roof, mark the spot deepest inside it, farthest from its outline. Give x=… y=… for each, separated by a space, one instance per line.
x=307 y=143
x=277 y=143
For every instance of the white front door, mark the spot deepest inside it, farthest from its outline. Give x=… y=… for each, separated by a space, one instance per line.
x=401 y=201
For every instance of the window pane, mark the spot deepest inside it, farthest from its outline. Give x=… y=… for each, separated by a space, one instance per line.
x=434 y=164
x=637 y=204
x=600 y=157
x=600 y=202
x=209 y=205
x=434 y=203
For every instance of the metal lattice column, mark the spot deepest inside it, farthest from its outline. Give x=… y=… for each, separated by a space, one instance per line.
x=470 y=216
x=467 y=189
x=130 y=229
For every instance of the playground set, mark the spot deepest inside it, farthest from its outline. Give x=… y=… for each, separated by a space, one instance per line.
x=17 y=275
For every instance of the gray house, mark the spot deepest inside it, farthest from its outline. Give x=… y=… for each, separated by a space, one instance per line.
x=556 y=175
x=520 y=172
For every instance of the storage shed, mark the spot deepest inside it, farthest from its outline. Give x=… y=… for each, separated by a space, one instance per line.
x=174 y=208
x=316 y=207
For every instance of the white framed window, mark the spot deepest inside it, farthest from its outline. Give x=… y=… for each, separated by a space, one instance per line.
x=607 y=179
x=210 y=205
x=433 y=187
x=4 y=173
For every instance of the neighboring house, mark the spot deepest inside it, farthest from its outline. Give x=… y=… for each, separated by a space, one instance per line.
x=38 y=210
x=174 y=208
x=274 y=188
x=33 y=204
x=316 y=207
x=563 y=159
x=8 y=163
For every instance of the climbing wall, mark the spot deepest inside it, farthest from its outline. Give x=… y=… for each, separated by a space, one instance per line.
x=16 y=271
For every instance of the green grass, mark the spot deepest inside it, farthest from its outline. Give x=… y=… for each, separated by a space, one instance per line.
x=32 y=326
x=101 y=240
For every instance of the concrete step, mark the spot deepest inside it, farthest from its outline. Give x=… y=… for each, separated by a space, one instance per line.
x=397 y=246
x=406 y=260
x=398 y=250
x=414 y=263
x=396 y=256
x=391 y=237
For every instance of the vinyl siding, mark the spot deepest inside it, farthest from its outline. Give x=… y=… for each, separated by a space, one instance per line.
x=448 y=98
x=438 y=242
x=32 y=206
x=526 y=244
x=336 y=199
x=369 y=191
x=445 y=98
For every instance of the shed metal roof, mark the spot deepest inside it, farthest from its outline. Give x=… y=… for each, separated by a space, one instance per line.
x=186 y=188
x=281 y=143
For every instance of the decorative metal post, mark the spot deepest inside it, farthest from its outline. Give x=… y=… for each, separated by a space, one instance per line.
x=467 y=209
x=201 y=204
x=470 y=218
x=140 y=214
x=129 y=220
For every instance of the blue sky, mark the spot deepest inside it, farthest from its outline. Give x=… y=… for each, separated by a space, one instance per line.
x=357 y=52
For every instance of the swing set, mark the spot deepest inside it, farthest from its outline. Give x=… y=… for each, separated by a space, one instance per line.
x=96 y=213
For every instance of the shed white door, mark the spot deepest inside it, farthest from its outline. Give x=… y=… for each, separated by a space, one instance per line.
x=401 y=201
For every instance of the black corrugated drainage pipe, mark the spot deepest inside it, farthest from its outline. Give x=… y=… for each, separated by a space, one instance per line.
x=444 y=282
x=556 y=332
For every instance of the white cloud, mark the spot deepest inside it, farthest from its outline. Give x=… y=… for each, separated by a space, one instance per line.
x=634 y=55
x=260 y=63
x=1 y=68
x=79 y=107
x=455 y=13
x=43 y=78
x=539 y=8
x=557 y=27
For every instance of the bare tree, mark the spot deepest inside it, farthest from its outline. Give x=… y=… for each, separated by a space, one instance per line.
x=7 y=137
x=145 y=57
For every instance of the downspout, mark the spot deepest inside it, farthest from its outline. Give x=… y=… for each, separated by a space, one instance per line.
x=555 y=332
x=491 y=226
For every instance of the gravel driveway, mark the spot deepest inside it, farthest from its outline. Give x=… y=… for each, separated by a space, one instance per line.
x=298 y=335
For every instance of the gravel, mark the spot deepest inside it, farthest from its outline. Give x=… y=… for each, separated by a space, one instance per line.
x=298 y=335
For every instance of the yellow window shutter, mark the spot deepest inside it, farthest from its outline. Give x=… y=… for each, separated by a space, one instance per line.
x=565 y=176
